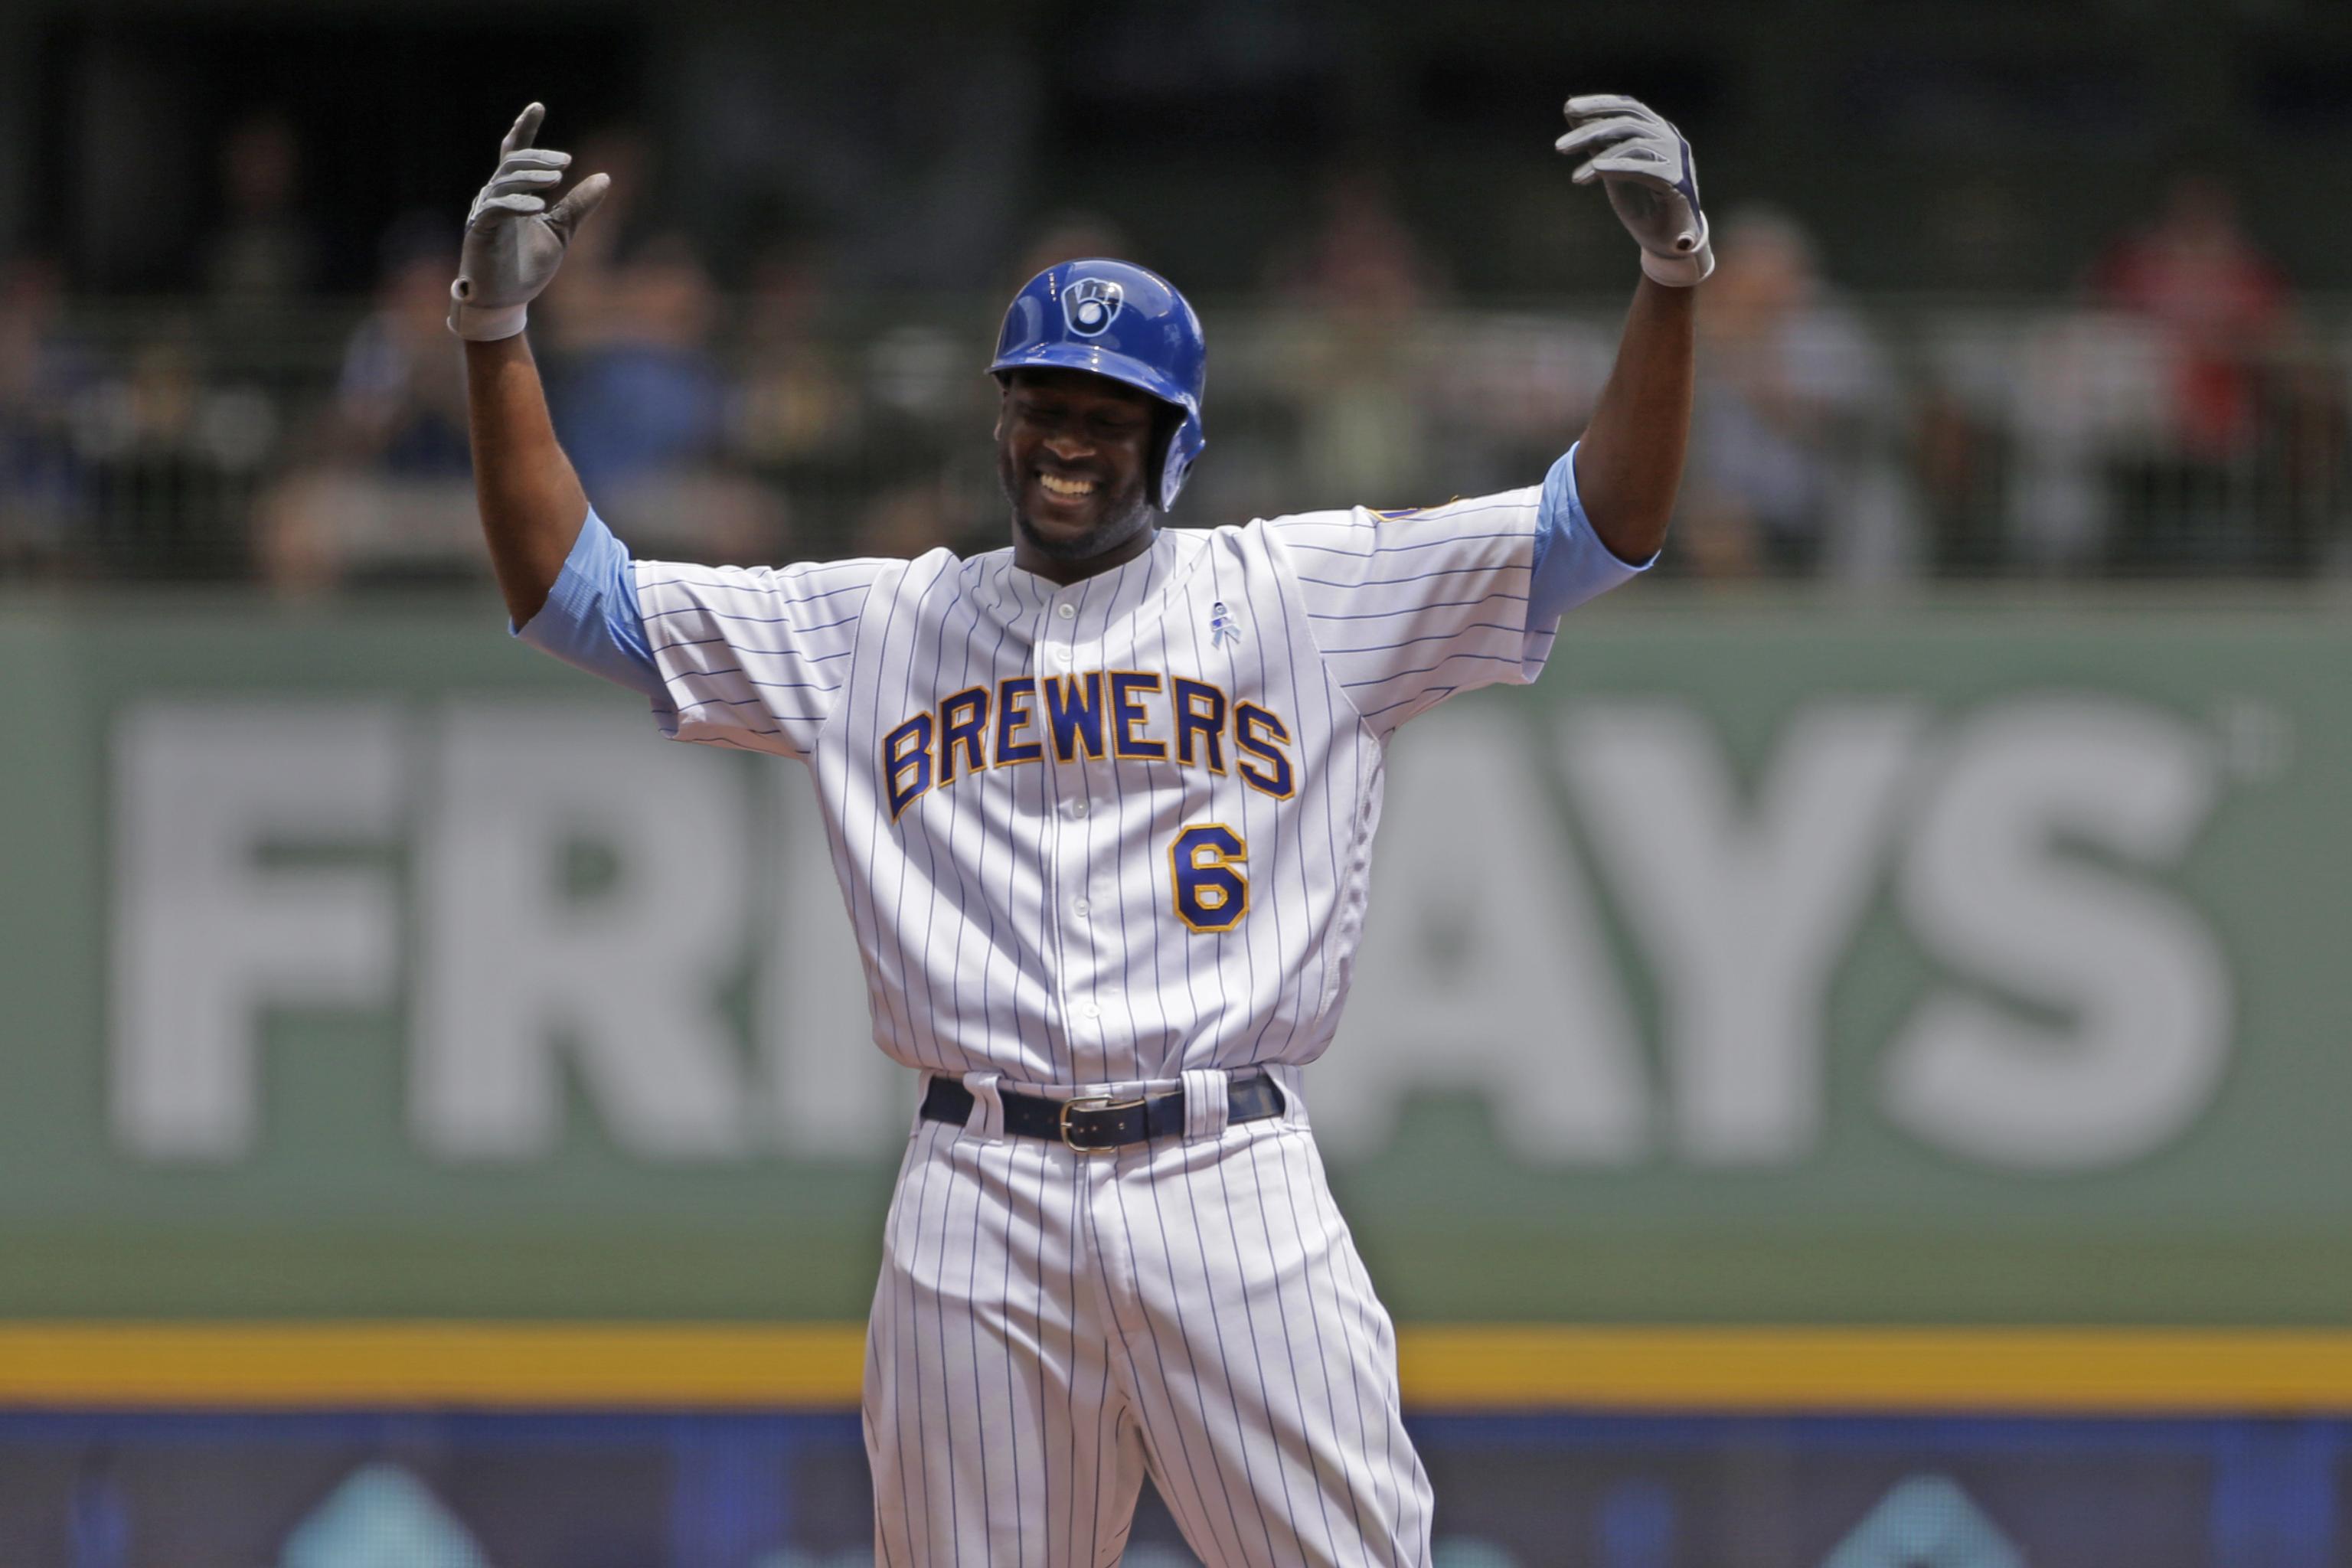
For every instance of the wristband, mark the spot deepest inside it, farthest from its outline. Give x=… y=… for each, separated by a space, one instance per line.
x=1679 y=271
x=477 y=325
x=1684 y=270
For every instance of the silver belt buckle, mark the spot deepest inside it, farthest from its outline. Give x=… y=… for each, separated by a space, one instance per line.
x=1092 y=1102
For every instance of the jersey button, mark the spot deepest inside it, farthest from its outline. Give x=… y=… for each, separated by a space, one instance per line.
x=1088 y=1010
x=1082 y=906
x=1067 y=611
x=1078 y=808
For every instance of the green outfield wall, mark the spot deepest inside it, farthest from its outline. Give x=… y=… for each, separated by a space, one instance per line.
x=1765 y=964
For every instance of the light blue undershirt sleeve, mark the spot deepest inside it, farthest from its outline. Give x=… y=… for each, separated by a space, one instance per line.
x=590 y=620
x=1571 y=563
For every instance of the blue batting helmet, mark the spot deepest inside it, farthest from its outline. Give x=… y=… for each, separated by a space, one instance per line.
x=1117 y=320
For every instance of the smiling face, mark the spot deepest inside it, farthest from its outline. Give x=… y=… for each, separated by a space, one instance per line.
x=1071 y=451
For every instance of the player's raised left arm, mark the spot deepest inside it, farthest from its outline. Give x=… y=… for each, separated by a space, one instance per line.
x=1630 y=462
x=1631 y=459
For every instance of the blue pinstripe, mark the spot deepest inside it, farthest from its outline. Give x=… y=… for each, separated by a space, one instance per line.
x=754 y=620
x=1448 y=543
x=1401 y=582
x=1432 y=637
x=1415 y=609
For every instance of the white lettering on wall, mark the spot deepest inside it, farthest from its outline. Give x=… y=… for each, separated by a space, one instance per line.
x=205 y=936
x=1743 y=910
x=1483 y=966
x=2131 y=991
x=2079 y=1018
x=627 y=979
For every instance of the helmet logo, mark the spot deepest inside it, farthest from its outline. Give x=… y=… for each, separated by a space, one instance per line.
x=1091 y=304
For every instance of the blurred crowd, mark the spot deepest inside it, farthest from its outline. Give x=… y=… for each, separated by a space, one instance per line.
x=2174 y=411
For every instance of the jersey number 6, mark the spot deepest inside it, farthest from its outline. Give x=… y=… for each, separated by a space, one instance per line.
x=1209 y=894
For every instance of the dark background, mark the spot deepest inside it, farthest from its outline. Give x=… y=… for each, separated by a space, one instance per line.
x=1930 y=144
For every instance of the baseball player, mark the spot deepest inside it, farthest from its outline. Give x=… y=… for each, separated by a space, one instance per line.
x=1101 y=806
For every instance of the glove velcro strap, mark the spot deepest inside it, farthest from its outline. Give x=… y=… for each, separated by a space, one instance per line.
x=479 y=325
x=1679 y=271
x=1682 y=270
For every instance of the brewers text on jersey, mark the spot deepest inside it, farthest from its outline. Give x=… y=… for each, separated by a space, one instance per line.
x=1120 y=708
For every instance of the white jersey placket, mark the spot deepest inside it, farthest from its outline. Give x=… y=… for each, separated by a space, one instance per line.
x=1070 y=829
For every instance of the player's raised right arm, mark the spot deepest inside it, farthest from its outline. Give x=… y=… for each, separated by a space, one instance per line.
x=531 y=500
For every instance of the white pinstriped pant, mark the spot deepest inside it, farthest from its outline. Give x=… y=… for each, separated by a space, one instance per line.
x=1050 y=1325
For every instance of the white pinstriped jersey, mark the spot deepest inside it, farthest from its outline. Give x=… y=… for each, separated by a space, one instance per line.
x=1109 y=832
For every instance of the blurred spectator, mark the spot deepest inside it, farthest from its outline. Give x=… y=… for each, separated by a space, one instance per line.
x=581 y=299
x=400 y=402
x=386 y=485
x=1962 y=451
x=1363 y=260
x=263 y=250
x=383 y=491
x=2195 y=500
x=1784 y=476
x=798 y=414
x=643 y=405
x=643 y=401
x=640 y=391
x=2184 y=420
x=2196 y=273
x=798 y=399
x=174 y=457
x=1508 y=392
x=1359 y=285
x=41 y=376
x=2084 y=387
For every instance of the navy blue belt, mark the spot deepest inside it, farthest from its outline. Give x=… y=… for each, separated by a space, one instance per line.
x=1097 y=1124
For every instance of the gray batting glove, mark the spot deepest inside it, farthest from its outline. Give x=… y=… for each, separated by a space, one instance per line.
x=514 y=240
x=1645 y=165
